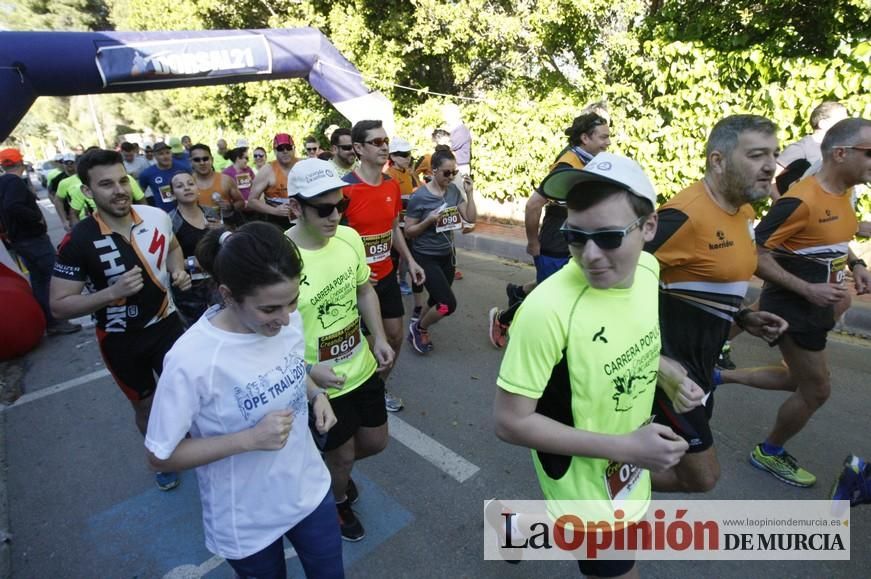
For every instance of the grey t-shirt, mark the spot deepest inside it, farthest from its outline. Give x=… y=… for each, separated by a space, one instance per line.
x=805 y=148
x=438 y=239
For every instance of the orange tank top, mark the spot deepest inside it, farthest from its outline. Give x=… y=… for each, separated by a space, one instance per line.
x=206 y=196
x=279 y=190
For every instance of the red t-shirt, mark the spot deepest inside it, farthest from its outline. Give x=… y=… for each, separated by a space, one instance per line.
x=371 y=213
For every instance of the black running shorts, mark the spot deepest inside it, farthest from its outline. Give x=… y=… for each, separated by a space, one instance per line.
x=390 y=297
x=363 y=407
x=809 y=324
x=693 y=426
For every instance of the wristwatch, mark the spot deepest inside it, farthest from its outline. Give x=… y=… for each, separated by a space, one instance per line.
x=855 y=262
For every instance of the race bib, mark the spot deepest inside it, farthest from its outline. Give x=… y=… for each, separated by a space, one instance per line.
x=378 y=246
x=448 y=220
x=838 y=270
x=340 y=346
x=166 y=193
x=621 y=478
x=243 y=180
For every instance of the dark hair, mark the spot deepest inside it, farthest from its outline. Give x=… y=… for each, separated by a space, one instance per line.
x=311 y=139
x=260 y=149
x=202 y=146
x=438 y=133
x=255 y=255
x=845 y=132
x=179 y=172
x=825 y=110
x=95 y=157
x=128 y=147
x=361 y=130
x=584 y=125
x=583 y=196
x=440 y=156
x=234 y=154
x=340 y=132
x=724 y=135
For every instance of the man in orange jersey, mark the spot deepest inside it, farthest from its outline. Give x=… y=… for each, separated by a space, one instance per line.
x=269 y=190
x=216 y=190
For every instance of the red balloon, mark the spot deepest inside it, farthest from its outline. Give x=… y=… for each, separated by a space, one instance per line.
x=22 y=323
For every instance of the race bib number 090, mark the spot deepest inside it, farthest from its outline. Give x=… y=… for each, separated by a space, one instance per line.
x=448 y=220
x=341 y=345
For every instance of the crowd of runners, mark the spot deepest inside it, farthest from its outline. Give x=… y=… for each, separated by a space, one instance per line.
x=252 y=314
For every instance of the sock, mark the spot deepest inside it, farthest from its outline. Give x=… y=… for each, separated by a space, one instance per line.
x=717 y=377
x=771 y=449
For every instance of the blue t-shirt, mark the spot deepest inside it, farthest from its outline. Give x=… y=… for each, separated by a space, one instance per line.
x=159 y=181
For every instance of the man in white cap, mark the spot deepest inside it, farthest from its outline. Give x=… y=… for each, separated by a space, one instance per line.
x=577 y=381
x=334 y=292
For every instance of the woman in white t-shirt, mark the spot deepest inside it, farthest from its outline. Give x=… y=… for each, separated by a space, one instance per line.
x=237 y=382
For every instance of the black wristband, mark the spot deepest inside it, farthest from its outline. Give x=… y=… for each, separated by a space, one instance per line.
x=856 y=262
x=740 y=316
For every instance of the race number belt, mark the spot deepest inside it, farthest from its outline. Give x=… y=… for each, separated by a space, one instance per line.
x=621 y=478
x=837 y=269
x=378 y=246
x=448 y=220
x=339 y=346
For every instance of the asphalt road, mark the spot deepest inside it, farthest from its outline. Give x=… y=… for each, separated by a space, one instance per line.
x=81 y=502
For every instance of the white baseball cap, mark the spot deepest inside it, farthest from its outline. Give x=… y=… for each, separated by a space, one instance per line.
x=241 y=143
x=69 y=157
x=399 y=145
x=312 y=177
x=603 y=168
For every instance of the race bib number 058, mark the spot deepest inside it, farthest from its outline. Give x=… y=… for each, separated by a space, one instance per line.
x=448 y=220
x=341 y=345
x=378 y=246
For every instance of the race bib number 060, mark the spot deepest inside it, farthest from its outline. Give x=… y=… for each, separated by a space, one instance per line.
x=341 y=345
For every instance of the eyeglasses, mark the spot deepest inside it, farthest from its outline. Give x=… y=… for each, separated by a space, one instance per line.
x=401 y=154
x=311 y=149
x=259 y=155
x=325 y=210
x=858 y=148
x=284 y=148
x=450 y=174
x=346 y=147
x=379 y=142
x=200 y=159
x=607 y=239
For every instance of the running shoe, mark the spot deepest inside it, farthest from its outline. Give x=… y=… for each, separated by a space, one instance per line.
x=350 y=525
x=854 y=483
x=351 y=492
x=782 y=466
x=415 y=315
x=404 y=288
x=498 y=330
x=458 y=274
x=724 y=360
x=166 y=481
x=493 y=511
x=62 y=328
x=515 y=294
x=419 y=338
x=392 y=403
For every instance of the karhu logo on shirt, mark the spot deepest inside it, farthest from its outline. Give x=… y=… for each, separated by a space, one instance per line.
x=722 y=242
x=600 y=335
x=829 y=217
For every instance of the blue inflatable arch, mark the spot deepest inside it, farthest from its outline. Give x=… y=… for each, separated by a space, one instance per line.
x=34 y=64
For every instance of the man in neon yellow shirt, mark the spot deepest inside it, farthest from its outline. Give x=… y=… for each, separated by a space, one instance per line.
x=580 y=371
x=334 y=292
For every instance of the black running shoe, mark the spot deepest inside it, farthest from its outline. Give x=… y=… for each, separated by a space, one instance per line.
x=515 y=294
x=724 y=360
x=352 y=492
x=352 y=529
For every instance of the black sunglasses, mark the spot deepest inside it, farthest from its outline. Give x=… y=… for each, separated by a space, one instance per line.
x=284 y=148
x=200 y=159
x=402 y=154
x=379 y=142
x=607 y=239
x=346 y=147
x=450 y=174
x=326 y=209
x=311 y=149
x=259 y=155
x=866 y=150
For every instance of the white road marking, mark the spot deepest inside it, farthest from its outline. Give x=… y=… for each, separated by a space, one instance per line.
x=201 y=570
x=27 y=398
x=433 y=451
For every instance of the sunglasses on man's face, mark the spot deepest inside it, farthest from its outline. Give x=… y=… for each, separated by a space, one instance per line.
x=405 y=154
x=200 y=159
x=379 y=142
x=450 y=174
x=259 y=155
x=866 y=150
x=284 y=148
x=326 y=209
x=346 y=147
x=311 y=149
x=606 y=239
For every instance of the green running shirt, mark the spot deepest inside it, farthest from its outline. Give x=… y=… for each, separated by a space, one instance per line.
x=328 y=305
x=590 y=357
